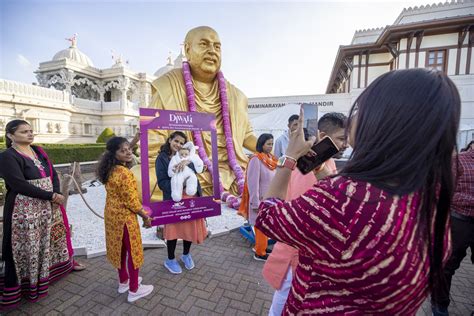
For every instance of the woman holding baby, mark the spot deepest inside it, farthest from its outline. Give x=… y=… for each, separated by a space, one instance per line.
x=169 y=179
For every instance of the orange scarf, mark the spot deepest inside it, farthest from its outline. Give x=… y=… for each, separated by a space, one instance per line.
x=270 y=162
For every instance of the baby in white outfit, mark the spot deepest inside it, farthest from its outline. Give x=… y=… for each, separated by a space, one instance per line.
x=187 y=178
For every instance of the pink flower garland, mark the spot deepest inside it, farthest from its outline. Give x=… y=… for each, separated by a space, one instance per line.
x=230 y=199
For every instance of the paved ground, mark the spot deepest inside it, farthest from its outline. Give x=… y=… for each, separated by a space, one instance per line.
x=226 y=281
x=462 y=292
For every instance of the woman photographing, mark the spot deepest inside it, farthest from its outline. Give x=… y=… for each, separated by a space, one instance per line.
x=373 y=239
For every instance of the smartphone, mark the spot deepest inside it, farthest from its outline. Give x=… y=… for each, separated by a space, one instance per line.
x=311 y=118
x=324 y=150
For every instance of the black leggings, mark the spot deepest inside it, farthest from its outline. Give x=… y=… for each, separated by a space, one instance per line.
x=171 y=245
x=462 y=236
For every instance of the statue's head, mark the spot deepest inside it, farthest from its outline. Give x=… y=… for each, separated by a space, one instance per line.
x=202 y=47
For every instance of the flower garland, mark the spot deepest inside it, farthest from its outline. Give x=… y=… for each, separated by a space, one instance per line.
x=230 y=199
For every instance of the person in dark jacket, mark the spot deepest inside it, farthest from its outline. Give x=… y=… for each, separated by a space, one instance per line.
x=36 y=245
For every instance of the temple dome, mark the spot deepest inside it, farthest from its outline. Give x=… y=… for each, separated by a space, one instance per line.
x=169 y=66
x=160 y=72
x=73 y=53
x=178 y=62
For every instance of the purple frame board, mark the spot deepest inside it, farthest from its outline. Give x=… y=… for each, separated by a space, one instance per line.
x=166 y=212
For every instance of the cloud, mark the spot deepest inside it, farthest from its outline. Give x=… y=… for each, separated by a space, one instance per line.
x=23 y=61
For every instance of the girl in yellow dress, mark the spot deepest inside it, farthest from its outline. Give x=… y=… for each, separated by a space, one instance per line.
x=121 y=224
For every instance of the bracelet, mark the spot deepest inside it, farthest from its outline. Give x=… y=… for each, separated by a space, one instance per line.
x=289 y=157
x=320 y=167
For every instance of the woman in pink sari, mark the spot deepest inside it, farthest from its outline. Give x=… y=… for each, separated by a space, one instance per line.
x=36 y=239
x=372 y=240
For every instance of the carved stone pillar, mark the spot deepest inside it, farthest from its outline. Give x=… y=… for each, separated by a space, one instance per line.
x=124 y=84
x=68 y=79
x=42 y=80
x=101 y=91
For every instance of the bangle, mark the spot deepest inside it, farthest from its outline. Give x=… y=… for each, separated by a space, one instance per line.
x=289 y=157
x=320 y=167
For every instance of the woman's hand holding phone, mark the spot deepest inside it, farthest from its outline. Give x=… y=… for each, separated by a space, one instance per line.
x=320 y=152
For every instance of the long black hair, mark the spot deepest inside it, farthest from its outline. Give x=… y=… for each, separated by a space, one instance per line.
x=406 y=124
x=11 y=128
x=262 y=139
x=165 y=148
x=107 y=161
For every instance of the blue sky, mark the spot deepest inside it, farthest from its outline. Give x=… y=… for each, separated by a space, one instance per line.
x=269 y=48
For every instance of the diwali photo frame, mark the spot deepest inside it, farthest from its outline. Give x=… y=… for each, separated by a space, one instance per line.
x=169 y=211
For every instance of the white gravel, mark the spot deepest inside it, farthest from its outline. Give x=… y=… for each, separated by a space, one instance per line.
x=88 y=232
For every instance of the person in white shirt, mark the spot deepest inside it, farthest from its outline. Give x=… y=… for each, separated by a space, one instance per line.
x=282 y=142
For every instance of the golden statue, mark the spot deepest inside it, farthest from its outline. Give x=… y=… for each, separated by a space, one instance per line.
x=203 y=52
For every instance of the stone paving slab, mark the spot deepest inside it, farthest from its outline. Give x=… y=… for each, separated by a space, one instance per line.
x=462 y=292
x=226 y=281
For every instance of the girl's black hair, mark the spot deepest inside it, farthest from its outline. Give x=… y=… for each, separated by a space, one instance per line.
x=262 y=139
x=166 y=146
x=406 y=124
x=107 y=161
x=11 y=128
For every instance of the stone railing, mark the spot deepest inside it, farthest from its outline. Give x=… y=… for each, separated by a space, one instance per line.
x=16 y=89
x=132 y=105
x=111 y=106
x=88 y=104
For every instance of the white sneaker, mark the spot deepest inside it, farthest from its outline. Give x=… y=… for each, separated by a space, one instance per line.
x=142 y=291
x=123 y=287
